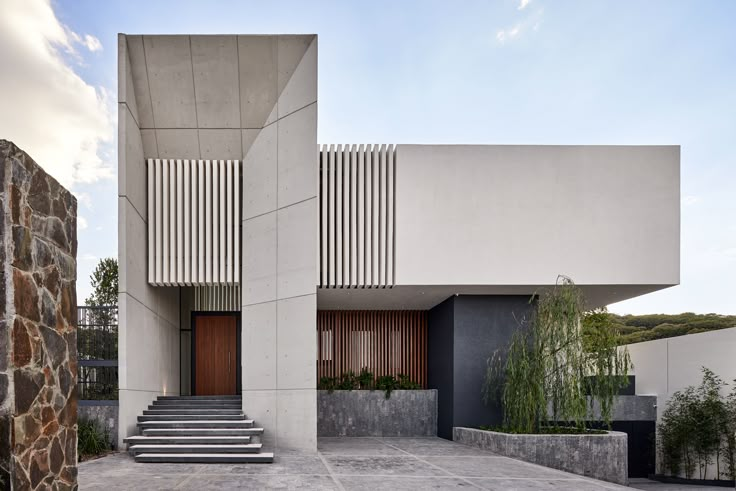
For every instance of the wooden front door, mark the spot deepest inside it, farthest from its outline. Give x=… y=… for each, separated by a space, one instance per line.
x=215 y=355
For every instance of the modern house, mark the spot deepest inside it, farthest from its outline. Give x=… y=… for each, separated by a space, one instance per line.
x=253 y=259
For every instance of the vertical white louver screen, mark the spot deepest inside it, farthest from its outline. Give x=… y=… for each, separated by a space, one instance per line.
x=193 y=222
x=357 y=195
x=217 y=298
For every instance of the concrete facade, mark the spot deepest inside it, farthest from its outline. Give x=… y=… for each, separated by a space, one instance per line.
x=253 y=99
x=407 y=413
x=492 y=224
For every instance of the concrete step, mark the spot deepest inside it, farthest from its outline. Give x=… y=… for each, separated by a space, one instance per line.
x=199 y=398
x=212 y=404
x=161 y=432
x=206 y=458
x=195 y=448
x=186 y=440
x=192 y=417
x=202 y=423
x=156 y=410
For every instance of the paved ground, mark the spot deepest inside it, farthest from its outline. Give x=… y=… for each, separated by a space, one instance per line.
x=660 y=486
x=344 y=463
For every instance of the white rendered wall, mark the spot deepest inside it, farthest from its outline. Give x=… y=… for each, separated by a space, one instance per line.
x=521 y=215
x=664 y=366
x=148 y=331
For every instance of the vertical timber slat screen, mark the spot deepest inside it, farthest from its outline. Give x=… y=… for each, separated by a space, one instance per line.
x=387 y=342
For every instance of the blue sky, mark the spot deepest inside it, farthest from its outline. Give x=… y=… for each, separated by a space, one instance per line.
x=493 y=72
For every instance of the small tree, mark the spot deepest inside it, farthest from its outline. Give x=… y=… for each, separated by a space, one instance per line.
x=729 y=434
x=545 y=377
x=697 y=429
x=104 y=280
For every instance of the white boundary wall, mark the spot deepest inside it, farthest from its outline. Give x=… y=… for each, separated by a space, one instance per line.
x=664 y=366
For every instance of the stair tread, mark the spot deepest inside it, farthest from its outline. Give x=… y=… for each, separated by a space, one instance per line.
x=203 y=430
x=191 y=417
x=264 y=454
x=183 y=439
x=197 y=398
x=264 y=457
x=199 y=421
x=205 y=445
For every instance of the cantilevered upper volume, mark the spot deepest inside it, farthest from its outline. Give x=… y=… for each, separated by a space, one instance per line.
x=406 y=226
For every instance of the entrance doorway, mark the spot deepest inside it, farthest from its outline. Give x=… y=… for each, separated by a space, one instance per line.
x=215 y=353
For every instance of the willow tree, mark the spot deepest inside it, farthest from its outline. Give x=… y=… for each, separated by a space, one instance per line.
x=550 y=368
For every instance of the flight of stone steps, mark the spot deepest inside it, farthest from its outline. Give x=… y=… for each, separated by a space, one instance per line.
x=197 y=429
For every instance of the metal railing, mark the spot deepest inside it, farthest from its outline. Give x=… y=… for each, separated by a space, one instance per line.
x=97 y=352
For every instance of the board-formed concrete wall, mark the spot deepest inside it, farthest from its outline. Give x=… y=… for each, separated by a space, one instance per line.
x=597 y=456
x=38 y=318
x=368 y=413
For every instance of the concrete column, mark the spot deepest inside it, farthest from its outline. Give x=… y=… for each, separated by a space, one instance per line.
x=279 y=252
x=148 y=330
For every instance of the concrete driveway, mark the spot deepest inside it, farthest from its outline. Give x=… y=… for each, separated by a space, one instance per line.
x=344 y=463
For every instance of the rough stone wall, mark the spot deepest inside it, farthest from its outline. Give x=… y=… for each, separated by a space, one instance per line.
x=598 y=456
x=369 y=413
x=38 y=355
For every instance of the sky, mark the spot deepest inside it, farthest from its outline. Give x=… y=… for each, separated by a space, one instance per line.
x=482 y=72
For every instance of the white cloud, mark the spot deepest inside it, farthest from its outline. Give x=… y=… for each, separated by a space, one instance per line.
x=532 y=21
x=92 y=43
x=48 y=110
x=81 y=222
x=689 y=200
x=84 y=199
x=508 y=34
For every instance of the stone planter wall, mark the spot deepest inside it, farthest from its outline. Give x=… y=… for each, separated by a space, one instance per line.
x=38 y=340
x=369 y=413
x=598 y=456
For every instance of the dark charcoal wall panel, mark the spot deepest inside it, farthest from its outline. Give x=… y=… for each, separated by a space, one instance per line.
x=463 y=332
x=440 y=363
x=483 y=324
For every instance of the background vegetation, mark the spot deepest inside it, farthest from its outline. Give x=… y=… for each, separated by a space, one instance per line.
x=639 y=328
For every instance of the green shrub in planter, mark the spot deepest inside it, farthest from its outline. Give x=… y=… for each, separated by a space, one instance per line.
x=92 y=439
x=365 y=381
